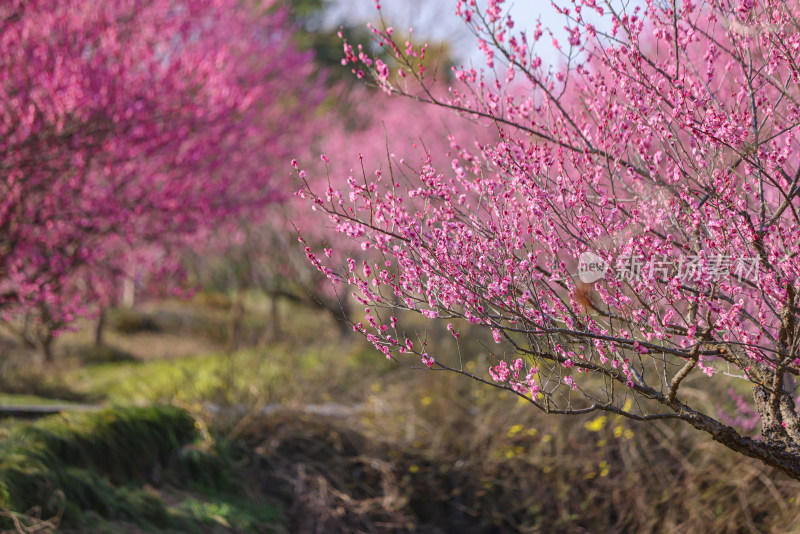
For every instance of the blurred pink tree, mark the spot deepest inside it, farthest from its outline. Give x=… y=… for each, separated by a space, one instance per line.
x=635 y=228
x=359 y=127
x=127 y=128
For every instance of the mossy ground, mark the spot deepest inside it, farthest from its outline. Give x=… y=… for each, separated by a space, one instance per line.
x=120 y=467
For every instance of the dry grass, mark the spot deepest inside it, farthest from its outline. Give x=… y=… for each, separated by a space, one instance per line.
x=435 y=454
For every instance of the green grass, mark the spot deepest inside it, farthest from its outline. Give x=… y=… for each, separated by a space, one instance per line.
x=122 y=465
x=273 y=375
x=229 y=512
x=10 y=399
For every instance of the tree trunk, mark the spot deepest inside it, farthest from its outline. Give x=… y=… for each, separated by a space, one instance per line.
x=237 y=317
x=45 y=333
x=99 y=328
x=341 y=311
x=46 y=346
x=779 y=420
x=27 y=337
x=273 y=328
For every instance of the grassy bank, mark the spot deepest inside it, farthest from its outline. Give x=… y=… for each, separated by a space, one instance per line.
x=120 y=469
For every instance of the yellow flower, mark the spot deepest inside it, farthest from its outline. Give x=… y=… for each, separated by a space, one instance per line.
x=514 y=430
x=596 y=424
x=604 y=468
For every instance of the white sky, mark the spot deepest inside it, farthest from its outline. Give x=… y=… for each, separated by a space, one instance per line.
x=435 y=19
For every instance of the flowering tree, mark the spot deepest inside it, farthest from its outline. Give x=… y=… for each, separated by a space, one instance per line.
x=379 y=131
x=363 y=129
x=634 y=230
x=126 y=128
